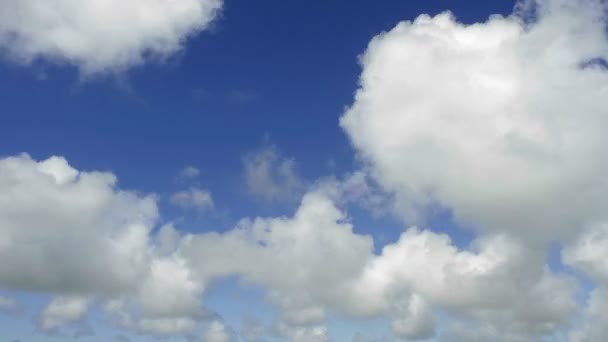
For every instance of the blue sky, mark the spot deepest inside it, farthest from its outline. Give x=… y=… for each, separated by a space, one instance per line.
x=319 y=171
x=280 y=74
x=284 y=71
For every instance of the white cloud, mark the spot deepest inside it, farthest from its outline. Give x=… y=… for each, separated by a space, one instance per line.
x=100 y=36
x=265 y=251
x=502 y=124
x=52 y=215
x=495 y=121
x=312 y=264
x=193 y=198
x=63 y=310
x=499 y=282
x=167 y=300
x=270 y=176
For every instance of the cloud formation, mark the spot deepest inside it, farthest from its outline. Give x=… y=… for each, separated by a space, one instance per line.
x=312 y=264
x=500 y=122
x=100 y=36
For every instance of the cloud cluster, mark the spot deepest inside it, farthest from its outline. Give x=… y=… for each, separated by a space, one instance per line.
x=499 y=122
x=312 y=264
x=100 y=36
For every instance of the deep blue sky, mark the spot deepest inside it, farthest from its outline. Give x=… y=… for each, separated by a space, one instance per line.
x=278 y=69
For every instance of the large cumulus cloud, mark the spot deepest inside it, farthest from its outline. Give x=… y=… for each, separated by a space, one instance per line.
x=501 y=122
x=53 y=218
x=100 y=36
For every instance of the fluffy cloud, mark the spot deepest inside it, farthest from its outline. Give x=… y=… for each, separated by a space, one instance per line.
x=311 y=264
x=314 y=265
x=500 y=122
x=499 y=283
x=100 y=36
x=52 y=217
x=264 y=251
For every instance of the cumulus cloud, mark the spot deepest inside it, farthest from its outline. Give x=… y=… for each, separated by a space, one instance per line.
x=501 y=123
x=500 y=281
x=100 y=36
x=270 y=176
x=498 y=121
x=312 y=264
x=51 y=215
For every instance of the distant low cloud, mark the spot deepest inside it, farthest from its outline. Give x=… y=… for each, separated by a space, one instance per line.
x=270 y=176
x=218 y=332
x=100 y=36
x=192 y=198
x=8 y=305
x=188 y=173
